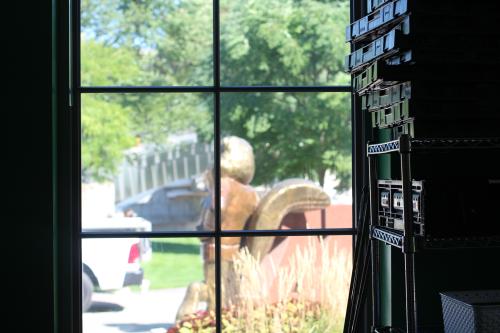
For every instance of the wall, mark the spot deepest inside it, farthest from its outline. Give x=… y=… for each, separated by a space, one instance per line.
x=26 y=133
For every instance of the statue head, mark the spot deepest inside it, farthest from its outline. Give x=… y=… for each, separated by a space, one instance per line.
x=237 y=159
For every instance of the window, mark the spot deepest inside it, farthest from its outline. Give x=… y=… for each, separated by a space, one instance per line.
x=220 y=126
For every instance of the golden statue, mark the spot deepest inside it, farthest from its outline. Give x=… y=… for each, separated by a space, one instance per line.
x=241 y=208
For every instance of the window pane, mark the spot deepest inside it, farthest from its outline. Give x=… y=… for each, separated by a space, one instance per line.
x=283 y=42
x=143 y=160
x=300 y=282
x=285 y=157
x=142 y=285
x=142 y=43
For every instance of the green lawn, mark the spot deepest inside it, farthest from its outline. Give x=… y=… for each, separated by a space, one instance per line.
x=176 y=262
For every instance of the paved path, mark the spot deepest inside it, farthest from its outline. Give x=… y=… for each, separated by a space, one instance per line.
x=133 y=312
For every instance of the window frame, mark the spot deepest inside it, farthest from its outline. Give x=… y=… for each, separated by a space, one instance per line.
x=68 y=314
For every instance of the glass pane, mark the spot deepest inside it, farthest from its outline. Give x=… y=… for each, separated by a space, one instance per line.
x=277 y=42
x=142 y=43
x=142 y=285
x=286 y=160
x=300 y=282
x=143 y=160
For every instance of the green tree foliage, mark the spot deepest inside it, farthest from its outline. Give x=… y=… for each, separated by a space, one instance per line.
x=263 y=42
x=106 y=125
x=103 y=144
x=141 y=43
x=284 y=42
x=288 y=42
x=171 y=39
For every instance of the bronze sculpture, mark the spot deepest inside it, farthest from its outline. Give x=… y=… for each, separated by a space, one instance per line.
x=242 y=208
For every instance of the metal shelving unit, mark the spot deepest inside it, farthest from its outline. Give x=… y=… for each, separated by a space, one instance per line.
x=415 y=92
x=406 y=240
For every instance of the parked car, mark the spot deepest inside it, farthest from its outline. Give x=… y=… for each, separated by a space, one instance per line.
x=176 y=206
x=113 y=263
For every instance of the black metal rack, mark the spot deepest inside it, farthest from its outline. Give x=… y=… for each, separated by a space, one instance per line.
x=425 y=88
x=406 y=240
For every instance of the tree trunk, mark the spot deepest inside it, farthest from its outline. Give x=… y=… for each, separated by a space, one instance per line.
x=321 y=175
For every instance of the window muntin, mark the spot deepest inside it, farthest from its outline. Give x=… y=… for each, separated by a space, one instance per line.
x=88 y=84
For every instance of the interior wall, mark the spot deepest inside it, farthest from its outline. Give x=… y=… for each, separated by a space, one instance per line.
x=26 y=101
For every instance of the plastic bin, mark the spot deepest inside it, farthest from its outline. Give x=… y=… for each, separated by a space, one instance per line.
x=475 y=311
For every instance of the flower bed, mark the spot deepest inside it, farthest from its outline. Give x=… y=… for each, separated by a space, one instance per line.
x=312 y=295
x=292 y=317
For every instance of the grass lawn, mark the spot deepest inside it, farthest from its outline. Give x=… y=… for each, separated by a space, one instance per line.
x=176 y=262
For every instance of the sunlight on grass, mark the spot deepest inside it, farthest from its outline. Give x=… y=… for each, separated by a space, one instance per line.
x=176 y=262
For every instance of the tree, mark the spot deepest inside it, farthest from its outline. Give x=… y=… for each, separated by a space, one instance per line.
x=263 y=42
x=287 y=42
x=131 y=43
x=106 y=126
x=105 y=135
x=111 y=122
x=171 y=39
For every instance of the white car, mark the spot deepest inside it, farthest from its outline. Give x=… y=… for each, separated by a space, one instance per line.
x=113 y=263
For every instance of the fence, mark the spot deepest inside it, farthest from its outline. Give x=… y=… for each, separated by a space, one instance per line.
x=144 y=171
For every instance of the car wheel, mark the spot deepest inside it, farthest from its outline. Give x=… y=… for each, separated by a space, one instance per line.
x=87 y=289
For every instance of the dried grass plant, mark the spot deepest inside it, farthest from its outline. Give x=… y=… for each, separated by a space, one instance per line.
x=312 y=291
x=312 y=294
